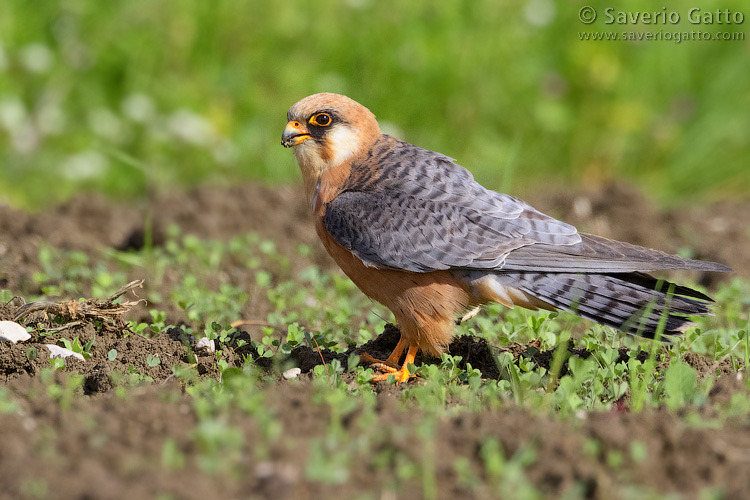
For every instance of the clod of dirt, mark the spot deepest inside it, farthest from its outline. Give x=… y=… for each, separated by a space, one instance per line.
x=473 y=350
x=307 y=358
x=726 y=387
x=477 y=352
x=11 y=331
x=705 y=367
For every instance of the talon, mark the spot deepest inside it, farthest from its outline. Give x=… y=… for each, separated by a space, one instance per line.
x=382 y=367
x=402 y=374
x=392 y=360
x=377 y=363
x=391 y=365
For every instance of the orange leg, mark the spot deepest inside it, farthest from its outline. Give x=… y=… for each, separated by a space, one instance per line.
x=391 y=364
x=402 y=374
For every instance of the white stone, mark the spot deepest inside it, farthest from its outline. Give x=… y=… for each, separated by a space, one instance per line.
x=13 y=332
x=206 y=343
x=57 y=351
x=291 y=373
x=84 y=165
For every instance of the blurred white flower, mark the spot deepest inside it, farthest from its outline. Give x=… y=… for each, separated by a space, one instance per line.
x=138 y=107
x=36 y=57
x=51 y=119
x=191 y=127
x=84 y=165
x=12 y=113
x=24 y=137
x=539 y=12
x=105 y=123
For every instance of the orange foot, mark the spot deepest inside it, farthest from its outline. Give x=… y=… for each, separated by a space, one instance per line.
x=390 y=366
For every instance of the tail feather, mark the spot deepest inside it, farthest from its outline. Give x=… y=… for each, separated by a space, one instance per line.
x=636 y=295
x=635 y=303
x=652 y=283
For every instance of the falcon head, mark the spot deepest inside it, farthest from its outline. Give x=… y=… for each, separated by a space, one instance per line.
x=327 y=130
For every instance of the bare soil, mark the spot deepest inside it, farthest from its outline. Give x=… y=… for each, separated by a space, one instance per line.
x=101 y=442
x=104 y=443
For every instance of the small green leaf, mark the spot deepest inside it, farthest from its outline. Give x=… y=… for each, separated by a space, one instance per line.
x=680 y=385
x=32 y=353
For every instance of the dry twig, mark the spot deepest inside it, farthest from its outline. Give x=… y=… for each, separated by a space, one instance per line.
x=90 y=308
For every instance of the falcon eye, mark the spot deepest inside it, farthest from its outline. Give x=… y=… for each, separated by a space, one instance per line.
x=321 y=119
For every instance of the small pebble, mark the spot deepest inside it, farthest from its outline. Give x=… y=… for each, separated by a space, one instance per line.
x=264 y=470
x=291 y=373
x=206 y=343
x=13 y=332
x=56 y=350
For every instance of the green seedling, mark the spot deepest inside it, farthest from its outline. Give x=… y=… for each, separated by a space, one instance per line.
x=75 y=346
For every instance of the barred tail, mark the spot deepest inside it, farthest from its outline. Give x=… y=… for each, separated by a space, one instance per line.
x=634 y=303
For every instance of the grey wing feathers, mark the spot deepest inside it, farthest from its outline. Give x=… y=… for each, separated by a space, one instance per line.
x=427 y=175
x=422 y=212
x=425 y=213
x=597 y=254
x=393 y=230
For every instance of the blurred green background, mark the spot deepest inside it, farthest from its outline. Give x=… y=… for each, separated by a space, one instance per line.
x=124 y=97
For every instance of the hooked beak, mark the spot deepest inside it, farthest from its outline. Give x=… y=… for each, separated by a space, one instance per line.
x=294 y=133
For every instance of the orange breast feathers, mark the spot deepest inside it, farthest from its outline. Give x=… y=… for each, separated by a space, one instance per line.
x=425 y=305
